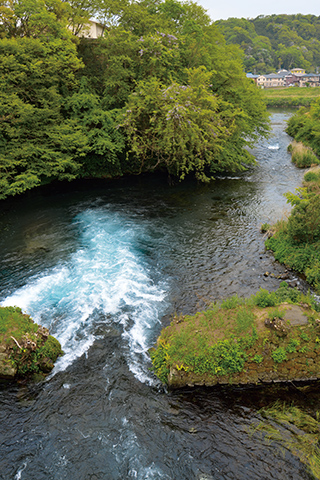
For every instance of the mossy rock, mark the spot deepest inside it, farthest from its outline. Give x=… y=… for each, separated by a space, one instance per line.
x=25 y=347
x=266 y=338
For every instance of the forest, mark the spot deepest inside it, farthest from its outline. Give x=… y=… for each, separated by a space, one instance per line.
x=275 y=42
x=159 y=91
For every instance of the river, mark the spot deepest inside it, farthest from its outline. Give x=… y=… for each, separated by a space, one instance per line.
x=104 y=267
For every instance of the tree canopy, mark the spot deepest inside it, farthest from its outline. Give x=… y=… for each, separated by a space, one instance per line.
x=160 y=89
x=273 y=42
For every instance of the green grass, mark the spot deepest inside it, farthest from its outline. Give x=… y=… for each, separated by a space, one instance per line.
x=14 y=323
x=15 y=329
x=290 y=96
x=221 y=341
x=302 y=156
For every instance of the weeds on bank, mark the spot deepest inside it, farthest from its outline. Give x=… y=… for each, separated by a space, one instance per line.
x=301 y=155
x=294 y=429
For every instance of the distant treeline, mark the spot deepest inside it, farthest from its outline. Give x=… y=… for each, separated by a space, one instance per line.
x=273 y=42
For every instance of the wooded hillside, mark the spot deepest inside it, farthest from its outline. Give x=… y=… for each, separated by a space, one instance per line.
x=273 y=42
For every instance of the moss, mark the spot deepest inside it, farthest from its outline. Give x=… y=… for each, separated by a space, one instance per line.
x=242 y=341
x=14 y=323
x=28 y=347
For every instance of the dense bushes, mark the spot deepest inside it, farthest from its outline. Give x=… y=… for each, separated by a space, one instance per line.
x=304 y=126
x=296 y=242
x=119 y=104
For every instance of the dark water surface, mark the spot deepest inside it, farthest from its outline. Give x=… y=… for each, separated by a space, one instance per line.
x=104 y=268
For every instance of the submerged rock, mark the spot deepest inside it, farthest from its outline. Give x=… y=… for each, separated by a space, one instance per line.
x=25 y=347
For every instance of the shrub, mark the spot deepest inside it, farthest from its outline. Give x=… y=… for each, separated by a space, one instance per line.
x=313 y=273
x=265 y=299
x=311 y=177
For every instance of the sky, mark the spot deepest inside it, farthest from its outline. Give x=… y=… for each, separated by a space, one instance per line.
x=252 y=8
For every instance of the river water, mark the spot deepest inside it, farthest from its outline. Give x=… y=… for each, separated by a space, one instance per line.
x=104 y=267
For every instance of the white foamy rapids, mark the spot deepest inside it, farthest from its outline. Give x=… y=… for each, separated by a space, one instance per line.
x=106 y=280
x=274 y=147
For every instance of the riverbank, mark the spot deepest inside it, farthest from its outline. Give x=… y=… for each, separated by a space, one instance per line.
x=290 y=96
x=295 y=242
x=270 y=337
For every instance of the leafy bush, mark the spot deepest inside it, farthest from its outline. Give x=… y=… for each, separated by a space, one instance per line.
x=265 y=299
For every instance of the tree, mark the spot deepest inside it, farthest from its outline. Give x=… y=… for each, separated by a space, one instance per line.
x=184 y=128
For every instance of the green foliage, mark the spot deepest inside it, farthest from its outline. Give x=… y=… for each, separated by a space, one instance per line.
x=16 y=331
x=14 y=322
x=304 y=336
x=225 y=357
x=302 y=156
x=311 y=177
x=245 y=320
x=304 y=126
x=220 y=341
x=51 y=349
x=265 y=299
x=161 y=86
x=232 y=302
x=275 y=41
x=184 y=128
x=257 y=359
x=275 y=313
x=279 y=355
x=159 y=358
x=296 y=242
x=265 y=227
x=290 y=97
x=293 y=345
